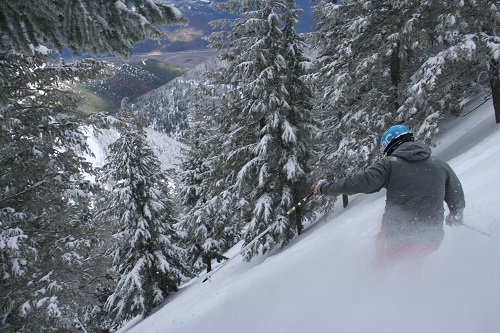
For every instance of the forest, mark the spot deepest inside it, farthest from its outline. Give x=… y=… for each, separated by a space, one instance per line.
x=86 y=248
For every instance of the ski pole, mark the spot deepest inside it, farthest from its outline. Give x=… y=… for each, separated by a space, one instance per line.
x=253 y=241
x=476 y=230
x=241 y=252
x=290 y=211
x=300 y=203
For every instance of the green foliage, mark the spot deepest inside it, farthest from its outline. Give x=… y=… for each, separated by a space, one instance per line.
x=45 y=227
x=90 y=102
x=146 y=256
x=386 y=62
x=49 y=242
x=132 y=80
x=266 y=126
x=84 y=26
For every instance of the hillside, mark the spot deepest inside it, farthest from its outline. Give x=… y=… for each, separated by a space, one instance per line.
x=323 y=281
x=134 y=79
x=167 y=149
x=155 y=63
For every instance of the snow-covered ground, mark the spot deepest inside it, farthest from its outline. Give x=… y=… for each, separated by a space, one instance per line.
x=323 y=280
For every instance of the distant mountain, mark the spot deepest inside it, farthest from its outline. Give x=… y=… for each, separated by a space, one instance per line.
x=200 y=13
x=153 y=63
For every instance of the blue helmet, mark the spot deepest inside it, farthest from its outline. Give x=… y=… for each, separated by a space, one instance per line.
x=393 y=137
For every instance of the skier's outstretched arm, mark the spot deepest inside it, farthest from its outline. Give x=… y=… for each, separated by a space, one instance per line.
x=369 y=181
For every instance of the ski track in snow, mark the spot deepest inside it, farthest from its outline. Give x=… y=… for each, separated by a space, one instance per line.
x=323 y=280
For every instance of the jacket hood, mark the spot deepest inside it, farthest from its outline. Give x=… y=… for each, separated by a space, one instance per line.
x=412 y=151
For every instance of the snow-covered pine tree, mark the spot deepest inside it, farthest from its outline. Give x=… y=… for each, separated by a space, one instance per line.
x=268 y=124
x=301 y=149
x=147 y=255
x=46 y=235
x=167 y=107
x=466 y=62
x=368 y=50
x=86 y=26
x=45 y=230
x=208 y=231
x=399 y=61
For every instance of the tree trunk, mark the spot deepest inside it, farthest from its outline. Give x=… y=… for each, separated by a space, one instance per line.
x=298 y=214
x=345 y=200
x=298 y=220
x=207 y=261
x=495 y=87
x=395 y=73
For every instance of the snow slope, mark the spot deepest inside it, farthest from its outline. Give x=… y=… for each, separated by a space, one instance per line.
x=167 y=149
x=323 y=280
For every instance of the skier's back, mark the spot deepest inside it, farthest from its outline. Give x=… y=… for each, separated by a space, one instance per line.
x=417 y=184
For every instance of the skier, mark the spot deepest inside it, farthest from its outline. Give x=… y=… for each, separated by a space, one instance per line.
x=417 y=183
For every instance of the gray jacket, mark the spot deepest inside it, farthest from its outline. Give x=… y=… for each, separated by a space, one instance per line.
x=417 y=184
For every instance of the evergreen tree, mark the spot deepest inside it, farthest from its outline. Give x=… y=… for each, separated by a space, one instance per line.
x=147 y=256
x=367 y=50
x=47 y=238
x=45 y=226
x=381 y=62
x=195 y=221
x=87 y=26
x=209 y=232
x=466 y=63
x=167 y=108
x=268 y=123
